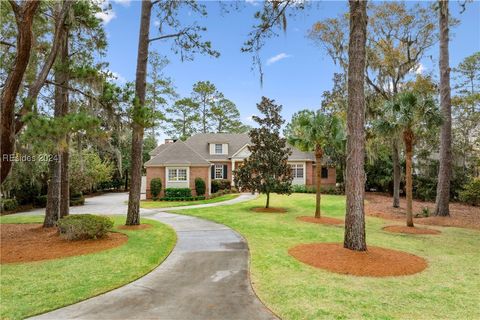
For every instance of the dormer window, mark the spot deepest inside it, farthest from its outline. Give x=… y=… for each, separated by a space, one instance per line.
x=218 y=148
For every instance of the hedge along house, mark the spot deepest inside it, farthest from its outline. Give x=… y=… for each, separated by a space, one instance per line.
x=212 y=156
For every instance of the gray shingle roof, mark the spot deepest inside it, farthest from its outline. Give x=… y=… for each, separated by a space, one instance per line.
x=177 y=153
x=195 y=150
x=158 y=149
x=300 y=155
x=200 y=143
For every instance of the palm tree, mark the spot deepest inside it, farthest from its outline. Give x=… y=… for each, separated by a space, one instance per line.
x=314 y=131
x=408 y=115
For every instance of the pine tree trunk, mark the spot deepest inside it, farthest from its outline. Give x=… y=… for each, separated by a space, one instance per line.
x=64 y=106
x=56 y=186
x=133 y=214
x=318 y=182
x=445 y=169
x=408 y=140
x=65 y=186
x=267 y=205
x=355 y=172
x=52 y=211
x=396 y=173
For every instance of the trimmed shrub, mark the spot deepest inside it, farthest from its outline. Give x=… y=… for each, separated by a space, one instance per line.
x=76 y=195
x=299 y=188
x=200 y=186
x=178 y=193
x=221 y=184
x=26 y=193
x=84 y=226
x=183 y=199
x=8 y=204
x=77 y=202
x=77 y=199
x=471 y=193
x=41 y=201
x=155 y=187
x=310 y=189
x=223 y=192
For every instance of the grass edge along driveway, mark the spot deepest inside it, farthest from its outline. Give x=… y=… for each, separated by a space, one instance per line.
x=447 y=289
x=32 y=288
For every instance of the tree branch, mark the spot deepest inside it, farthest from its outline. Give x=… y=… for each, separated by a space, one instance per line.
x=15 y=6
x=7 y=43
x=42 y=76
x=51 y=82
x=375 y=87
x=173 y=35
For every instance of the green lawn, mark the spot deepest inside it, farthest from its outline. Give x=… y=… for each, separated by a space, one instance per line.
x=448 y=289
x=149 y=204
x=32 y=288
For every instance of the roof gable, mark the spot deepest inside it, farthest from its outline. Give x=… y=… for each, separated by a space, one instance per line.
x=200 y=143
x=177 y=153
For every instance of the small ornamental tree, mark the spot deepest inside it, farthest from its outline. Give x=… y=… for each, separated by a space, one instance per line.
x=266 y=169
x=155 y=187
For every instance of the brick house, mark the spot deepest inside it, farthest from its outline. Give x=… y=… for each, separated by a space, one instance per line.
x=214 y=156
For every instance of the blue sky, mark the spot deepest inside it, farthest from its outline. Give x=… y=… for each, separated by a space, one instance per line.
x=297 y=79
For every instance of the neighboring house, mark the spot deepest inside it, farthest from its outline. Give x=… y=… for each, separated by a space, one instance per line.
x=214 y=156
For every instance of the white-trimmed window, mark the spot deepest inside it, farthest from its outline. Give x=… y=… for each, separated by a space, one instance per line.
x=219 y=171
x=177 y=175
x=218 y=148
x=297 y=170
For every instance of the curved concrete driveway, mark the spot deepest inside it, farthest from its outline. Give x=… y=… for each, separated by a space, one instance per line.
x=205 y=277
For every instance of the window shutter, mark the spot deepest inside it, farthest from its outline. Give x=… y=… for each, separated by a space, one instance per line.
x=212 y=172
x=212 y=148
x=324 y=173
x=225 y=148
x=225 y=173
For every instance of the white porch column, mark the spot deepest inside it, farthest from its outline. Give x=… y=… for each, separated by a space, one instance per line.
x=209 y=184
x=233 y=167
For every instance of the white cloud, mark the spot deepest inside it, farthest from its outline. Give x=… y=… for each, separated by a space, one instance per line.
x=156 y=23
x=124 y=3
x=106 y=16
x=277 y=58
x=420 y=69
x=253 y=2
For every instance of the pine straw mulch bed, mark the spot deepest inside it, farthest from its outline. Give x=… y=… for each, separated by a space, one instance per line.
x=410 y=230
x=375 y=262
x=29 y=242
x=269 y=210
x=138 y=227
x=321 y=220
x=461 y=215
